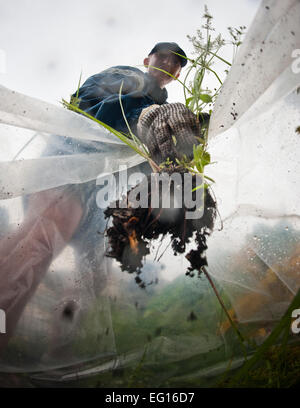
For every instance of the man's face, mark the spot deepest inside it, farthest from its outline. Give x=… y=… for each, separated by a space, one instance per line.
x=166 y=60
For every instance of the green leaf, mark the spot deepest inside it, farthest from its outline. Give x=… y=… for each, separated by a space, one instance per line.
x=75 y=101
x=194 y=151
x=205 y=158
x=205 y=98
x=188 y=100
x=198 y=151
x=210 y=179
x=197 y=188
x=199 y=167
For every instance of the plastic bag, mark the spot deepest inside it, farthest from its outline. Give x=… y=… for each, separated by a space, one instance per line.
x=71 y=311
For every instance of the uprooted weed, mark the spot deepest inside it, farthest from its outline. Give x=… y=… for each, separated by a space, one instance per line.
x=133 y=229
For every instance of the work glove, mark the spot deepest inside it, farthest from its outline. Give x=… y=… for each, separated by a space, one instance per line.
x=169 y=131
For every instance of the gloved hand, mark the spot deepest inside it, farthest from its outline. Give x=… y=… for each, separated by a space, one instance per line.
x=169 y=130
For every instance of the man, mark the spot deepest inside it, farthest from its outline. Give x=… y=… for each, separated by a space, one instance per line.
x=99 y=95
x=69 y=215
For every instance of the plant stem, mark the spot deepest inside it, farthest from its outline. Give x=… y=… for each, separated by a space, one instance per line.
x=172 y=76
x=214 y=54
x=222 y=304
x=214 y=72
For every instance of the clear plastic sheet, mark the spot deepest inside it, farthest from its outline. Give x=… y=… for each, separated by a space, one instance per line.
x=71 y=311
x=263 y=57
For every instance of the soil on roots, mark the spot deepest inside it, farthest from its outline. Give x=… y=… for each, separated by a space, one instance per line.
x=133 y=229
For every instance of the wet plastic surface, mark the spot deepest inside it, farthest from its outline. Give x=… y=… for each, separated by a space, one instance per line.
x=71 y=311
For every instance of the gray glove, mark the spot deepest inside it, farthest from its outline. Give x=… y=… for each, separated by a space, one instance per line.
x=169 y=130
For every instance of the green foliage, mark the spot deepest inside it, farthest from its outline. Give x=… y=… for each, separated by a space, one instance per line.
x=207 y=48
x=75 y=100
x=271 y=355
x=197 y=98
x=166 y=163
x=236 y=36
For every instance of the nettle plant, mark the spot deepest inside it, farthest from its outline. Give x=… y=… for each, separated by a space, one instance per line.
x=206 y=50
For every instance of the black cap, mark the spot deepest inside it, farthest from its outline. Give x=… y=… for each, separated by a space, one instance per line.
x=172 y=47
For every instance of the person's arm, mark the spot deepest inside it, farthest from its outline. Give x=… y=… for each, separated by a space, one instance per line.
x=170 y=131
x=99 y=96
x=26 y=253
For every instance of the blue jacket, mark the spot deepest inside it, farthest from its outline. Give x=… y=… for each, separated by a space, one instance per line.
x=99 y=96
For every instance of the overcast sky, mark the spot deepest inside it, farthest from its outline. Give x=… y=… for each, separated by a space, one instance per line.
x=48 y=42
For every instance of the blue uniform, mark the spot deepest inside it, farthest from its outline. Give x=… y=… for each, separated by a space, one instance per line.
x=99 y=96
